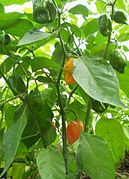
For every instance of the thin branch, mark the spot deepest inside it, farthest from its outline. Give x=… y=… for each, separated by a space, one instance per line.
x=70 y=95
x=88 y=113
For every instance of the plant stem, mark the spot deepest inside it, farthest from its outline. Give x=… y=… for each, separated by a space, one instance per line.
x=62 y=111
x=88 y=113
x=37 y=125
x=109 y=37
x=70 y=95
x=11 y=99
x=107 y=46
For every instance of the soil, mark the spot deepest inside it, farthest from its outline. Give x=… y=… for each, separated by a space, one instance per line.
x=123 y=170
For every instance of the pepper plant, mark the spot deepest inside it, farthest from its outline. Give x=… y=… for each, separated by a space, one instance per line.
x=64 y=89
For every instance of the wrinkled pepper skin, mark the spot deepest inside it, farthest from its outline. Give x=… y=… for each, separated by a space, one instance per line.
x=4 y=39
x=118 y=60
x=99 y=107
x=17 y=85
x=43 y=11
x=120 y=17
x=68 y=67
x=105 y=25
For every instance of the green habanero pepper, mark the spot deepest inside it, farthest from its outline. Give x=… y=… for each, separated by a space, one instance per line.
x=17 y=85
x=98 y=106
x=4 y=39
x=43 y=11
x=120 y=16
x=105 y=24
x=118 y=60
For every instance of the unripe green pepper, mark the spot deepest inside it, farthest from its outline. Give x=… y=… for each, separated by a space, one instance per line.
x=118 y=60
x=120 y=16
x=4 y=39
x=105 y=24
x=99 y=107
x=35 y=99
x=17 y=85
x=43 y=11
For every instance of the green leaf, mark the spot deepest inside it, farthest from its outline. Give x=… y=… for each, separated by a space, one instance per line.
x=123 y=80
x=98 y=50
x=98 y=79
x=58 y=53
x=25 y=64
x=100 y=5
x=29 y=134
x=10 y=2
x=121 y=4
x=112 y=132
x=10 y=19
x=75 y=30
x=43 y=62
x=20 y=28
x=40 y=113
x=65 y=35
x=126 y=133
x=81 y=113
x=50 y=95
x=35 y=36
x=9 y=114
x=6 y=66
x=12 y=139
x=79 y=9
x=95 y=158
x=91 y=27
x=1 y=8
x=51 y=165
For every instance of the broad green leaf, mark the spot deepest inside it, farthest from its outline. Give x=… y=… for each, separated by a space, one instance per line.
x=17 y=170
x=98 y=79
x=9 y=20
x=43 y=62
x=126 y=133
x=50 y=95
x=9 y=114
x=10 y=2
x=58 y=53
x=81 y=113
x=1 y=8
x=25 y=64
x=123 y=80
x=75 y=30
x=6 y=66
x=121 y=4
x=112 y=132
x=91 y=27
x=29 y=134
x=20 y=28
x=39 y=113
x=12 y=139
x=100 y=39
x=35 y=36
x=100 y=5
x=98 y=50
x=79 y=9
x=51 y=164
x=95 y=158
x=65 y=35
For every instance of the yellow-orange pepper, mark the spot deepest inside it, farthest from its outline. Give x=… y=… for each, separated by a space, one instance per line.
x=68 y=77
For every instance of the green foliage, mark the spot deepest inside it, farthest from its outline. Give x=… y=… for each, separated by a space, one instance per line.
x=11 y=138
x=102 y=79
x=105 y=128
x=97 y=160
x=36 y=103
x=48 y=160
